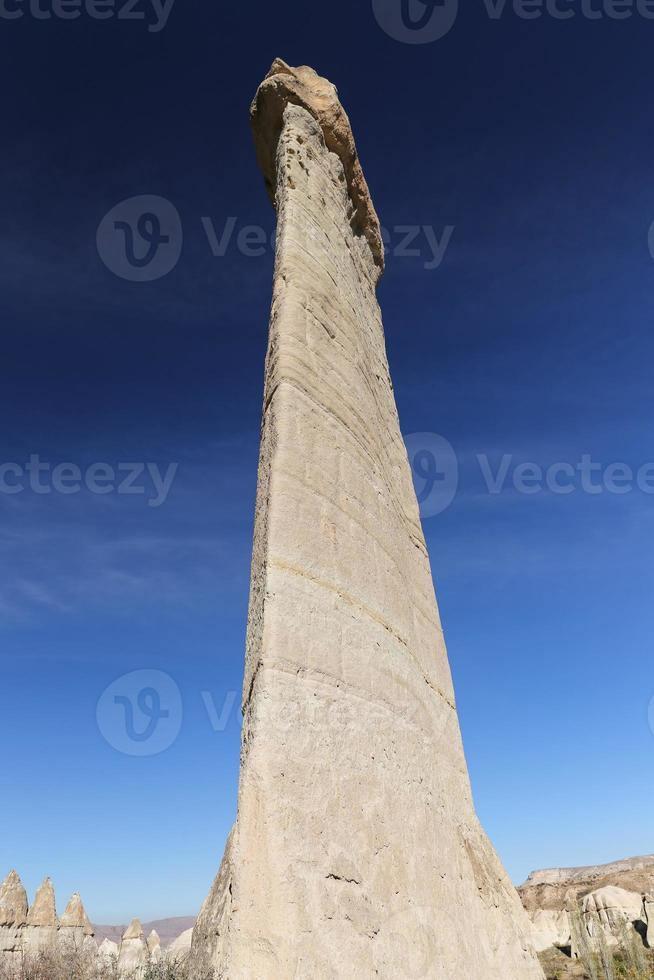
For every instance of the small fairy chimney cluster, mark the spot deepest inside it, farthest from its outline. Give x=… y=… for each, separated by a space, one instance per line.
x=134 y=952
x=24 y=928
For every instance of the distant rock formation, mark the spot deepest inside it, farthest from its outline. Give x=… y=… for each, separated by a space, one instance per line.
x=167 y=929
x=42 y=924
x=108 y=950
x=25 y=929
x=13 y=915
x=593 y=872
x=133 y=955
x=180 y=948
x=74 y=925
x=607 y=901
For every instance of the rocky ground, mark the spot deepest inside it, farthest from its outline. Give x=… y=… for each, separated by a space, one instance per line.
x=556 y=966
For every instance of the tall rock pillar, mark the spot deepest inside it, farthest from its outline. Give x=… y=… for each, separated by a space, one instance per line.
x=356 y=851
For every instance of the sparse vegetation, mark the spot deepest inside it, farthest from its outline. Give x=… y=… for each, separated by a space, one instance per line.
x=83 y=964
x=596 y=960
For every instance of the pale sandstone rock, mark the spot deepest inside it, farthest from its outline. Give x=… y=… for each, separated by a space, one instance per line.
x=28 y=931
x=180 y=948
x=554 y=890
x=134 y=931
x=610 y=910
x=75 y=928
x=648 y=908
x=13 y=916
x=154 y=947
x=43 y=913
x=550 y=927
x=356 y=851
x=13 y=901
x=108 y=950
x=42 y=923
x=611 y=901
x=133 y=955
x=75 y=917
x=302 y=86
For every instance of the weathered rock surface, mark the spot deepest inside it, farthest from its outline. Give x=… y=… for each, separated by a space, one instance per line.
x=75 y=917
x=13 y=901
x=75 y=929
x=356 y=851
x=648 y=906
x=43 y=913
x=42 y=923
x=13 y=914
x=610 y=908
x=27 y=930
x=304 y=87
x=180 y=947
x=133 y=955
x=610 y=901
x=108 y=950
x=551 y=927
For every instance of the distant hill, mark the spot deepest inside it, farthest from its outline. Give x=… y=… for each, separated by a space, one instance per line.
x=168 y=929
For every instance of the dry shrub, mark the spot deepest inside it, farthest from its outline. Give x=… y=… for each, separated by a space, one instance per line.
x=73 y=963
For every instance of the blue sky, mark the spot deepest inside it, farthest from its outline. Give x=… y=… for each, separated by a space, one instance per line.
x=532 y=339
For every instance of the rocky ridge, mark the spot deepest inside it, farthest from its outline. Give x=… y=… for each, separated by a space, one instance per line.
x=607 y=902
